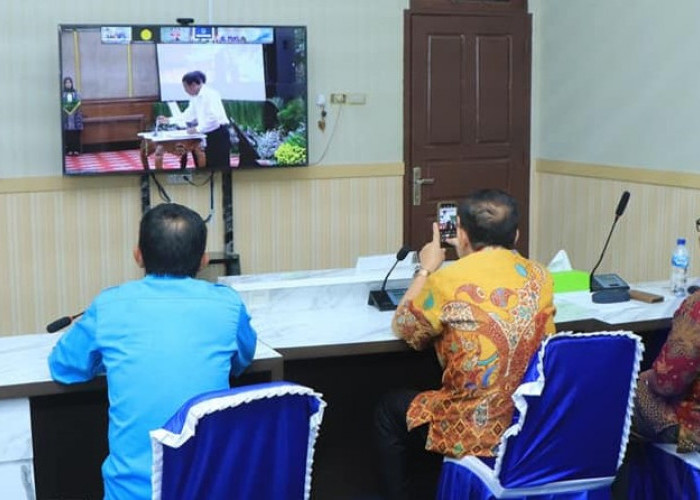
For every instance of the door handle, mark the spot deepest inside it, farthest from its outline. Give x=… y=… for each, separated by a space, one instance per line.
x=418 y=181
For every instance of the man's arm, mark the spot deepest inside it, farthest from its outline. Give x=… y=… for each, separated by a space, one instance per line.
x=246 y=338
x=409 y=322
x=548 y=310
x=75 y=358
x=431 y=258
x=190 y=113
x=677 y=366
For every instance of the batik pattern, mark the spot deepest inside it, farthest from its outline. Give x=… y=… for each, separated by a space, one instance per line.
x=485 y=316
x=668 y=395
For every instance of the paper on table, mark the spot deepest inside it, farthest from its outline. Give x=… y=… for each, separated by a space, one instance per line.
x=572 y=307
x=383 y=262
x=560 y=262
x=178 y=118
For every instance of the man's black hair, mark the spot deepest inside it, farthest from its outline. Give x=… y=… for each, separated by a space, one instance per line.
x=194 y=77
x=172 y=239
x=490 y=218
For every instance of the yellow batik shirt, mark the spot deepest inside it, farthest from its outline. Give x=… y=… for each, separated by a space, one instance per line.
x=486 y=315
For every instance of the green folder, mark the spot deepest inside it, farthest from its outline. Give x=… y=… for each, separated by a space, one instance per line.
x=570 y=281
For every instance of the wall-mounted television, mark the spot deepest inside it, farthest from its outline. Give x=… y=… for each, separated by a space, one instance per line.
x=117 y=80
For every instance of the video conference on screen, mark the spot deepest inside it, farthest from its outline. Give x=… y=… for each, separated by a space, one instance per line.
x=126 y=76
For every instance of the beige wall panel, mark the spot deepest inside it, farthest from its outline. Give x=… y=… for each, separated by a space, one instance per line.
x=317 y=224
x=575 y=213
x=62 y=242
x=61 y=247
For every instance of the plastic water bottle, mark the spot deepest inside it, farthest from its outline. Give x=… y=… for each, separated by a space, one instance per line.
x=679 y=268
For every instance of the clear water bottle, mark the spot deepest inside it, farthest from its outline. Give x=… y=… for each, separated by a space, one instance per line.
x=679 y=268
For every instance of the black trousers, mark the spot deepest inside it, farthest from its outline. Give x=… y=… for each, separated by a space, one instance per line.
x=72 y=141
x=406 y=469
x=218 y=150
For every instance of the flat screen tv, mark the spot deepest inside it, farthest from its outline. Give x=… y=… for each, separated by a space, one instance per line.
x=117 y=80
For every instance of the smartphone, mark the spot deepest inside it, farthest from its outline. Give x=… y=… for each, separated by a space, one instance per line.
x=447 y=220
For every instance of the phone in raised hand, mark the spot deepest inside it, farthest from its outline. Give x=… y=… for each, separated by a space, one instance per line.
x=447 y=221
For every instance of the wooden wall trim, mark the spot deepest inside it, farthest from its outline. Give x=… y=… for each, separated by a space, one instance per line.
x=16 y=185
x=618 y=173
x=469 y=6
x=60 y=183
x=320 y=172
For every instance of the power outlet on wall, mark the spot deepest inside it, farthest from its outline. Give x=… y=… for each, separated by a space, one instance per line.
x=179 y=178
x=338 y=98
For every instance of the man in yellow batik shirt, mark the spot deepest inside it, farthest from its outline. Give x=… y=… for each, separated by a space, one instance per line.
x=485 y=315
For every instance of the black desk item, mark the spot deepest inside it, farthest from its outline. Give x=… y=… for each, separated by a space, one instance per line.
x=609 y=288
x=386 y=300
x=382 y=299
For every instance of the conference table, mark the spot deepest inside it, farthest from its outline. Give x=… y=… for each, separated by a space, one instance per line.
x=309 y=314
x=333 y=341
x=314 y=327
x=33 y=417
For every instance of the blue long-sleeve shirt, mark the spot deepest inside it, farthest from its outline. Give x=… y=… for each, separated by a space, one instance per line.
x=160 y=341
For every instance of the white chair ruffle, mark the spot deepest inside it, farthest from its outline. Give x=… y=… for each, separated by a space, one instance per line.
x=572 y=424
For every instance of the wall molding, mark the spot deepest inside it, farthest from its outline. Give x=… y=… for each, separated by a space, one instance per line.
x=61 y=183
x=619 y=173
x=320 y=172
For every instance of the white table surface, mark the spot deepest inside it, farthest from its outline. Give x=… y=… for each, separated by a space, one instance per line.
x=169 y=135
x=572 y=306
x=324 y=308
x=307 y=309
x=23 y=358
x=318 y=308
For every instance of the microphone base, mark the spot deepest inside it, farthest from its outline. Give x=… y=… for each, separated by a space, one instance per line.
x=609 y=289
x=381 y=300
x=610 y=296
x=610 y=281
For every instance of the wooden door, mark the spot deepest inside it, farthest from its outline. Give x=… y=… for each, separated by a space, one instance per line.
x=466 y=113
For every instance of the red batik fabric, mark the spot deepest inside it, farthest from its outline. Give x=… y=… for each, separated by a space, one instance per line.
x=669 y=393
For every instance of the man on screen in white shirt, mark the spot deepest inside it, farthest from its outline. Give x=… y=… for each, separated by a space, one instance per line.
x=206 y=115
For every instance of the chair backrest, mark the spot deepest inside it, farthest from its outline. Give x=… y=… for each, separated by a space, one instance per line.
x=254 y=441
x=573 y=411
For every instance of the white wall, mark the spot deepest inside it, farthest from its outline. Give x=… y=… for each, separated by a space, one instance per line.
x=352 y=47
x=617 y=82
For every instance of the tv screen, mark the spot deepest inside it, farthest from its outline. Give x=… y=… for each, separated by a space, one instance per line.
x=174 y=98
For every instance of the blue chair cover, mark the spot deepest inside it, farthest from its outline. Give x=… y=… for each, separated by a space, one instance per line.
x=570 y=430
x=658 y=472
x=255 y=441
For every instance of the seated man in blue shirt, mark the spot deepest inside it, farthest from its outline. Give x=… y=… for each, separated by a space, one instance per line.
x=160 y=340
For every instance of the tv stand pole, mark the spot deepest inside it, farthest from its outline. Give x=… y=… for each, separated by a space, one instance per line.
x=230 y=260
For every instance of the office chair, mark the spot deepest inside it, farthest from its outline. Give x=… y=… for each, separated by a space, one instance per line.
x=570 y=428
x=253 y=441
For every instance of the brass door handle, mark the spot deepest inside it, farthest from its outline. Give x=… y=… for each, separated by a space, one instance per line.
x=418 y=181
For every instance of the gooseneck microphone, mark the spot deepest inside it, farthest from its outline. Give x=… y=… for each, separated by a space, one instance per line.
x=609 y=288
x=400 y=255
x=621 y=206
x=380 y=298
x=61 y=323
